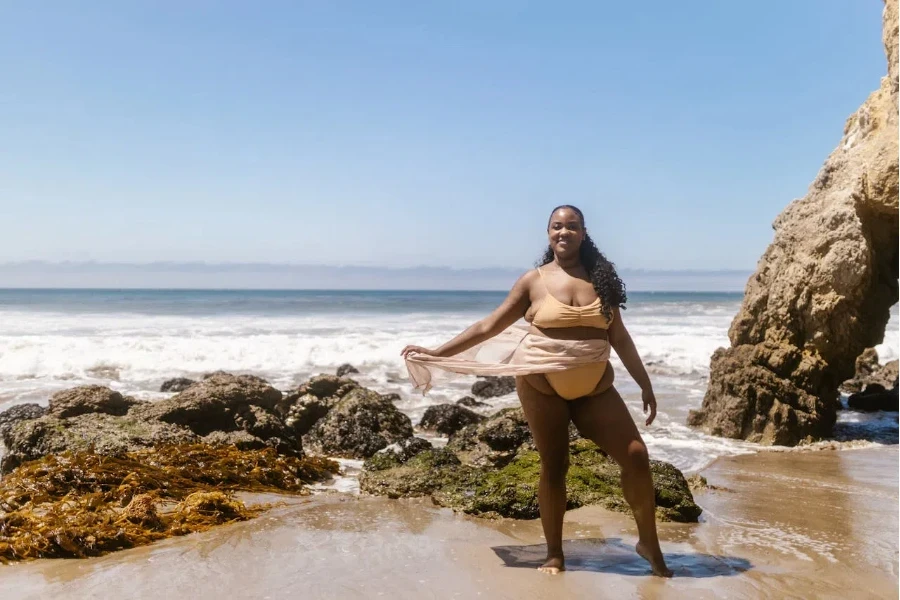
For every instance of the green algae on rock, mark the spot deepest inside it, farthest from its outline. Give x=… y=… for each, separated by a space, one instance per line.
x=511 y=490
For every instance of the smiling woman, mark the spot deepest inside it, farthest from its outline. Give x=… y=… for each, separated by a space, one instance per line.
x=572 y=302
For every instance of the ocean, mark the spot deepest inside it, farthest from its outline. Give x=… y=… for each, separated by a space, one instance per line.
x=133 y=340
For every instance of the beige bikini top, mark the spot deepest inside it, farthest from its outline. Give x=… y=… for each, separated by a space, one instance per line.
x=553 y=313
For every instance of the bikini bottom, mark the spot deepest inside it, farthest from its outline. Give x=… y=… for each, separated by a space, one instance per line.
x=576 y=382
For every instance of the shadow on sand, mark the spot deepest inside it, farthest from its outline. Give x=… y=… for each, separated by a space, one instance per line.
x=612 y=555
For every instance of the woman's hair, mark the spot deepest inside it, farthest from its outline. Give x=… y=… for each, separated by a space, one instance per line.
x=607 y=284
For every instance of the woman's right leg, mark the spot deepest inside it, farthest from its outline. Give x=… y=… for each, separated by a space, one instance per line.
x=604 y=419
x=548 y=419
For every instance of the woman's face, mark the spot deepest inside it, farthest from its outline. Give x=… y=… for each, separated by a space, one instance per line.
x=566 y=232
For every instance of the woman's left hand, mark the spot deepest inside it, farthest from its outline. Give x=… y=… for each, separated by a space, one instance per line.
x=649 y=399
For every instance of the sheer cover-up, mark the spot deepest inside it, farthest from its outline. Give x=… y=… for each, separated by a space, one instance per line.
x=514 y=351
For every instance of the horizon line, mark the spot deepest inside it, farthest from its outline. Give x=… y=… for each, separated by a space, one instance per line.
x=288 y=265
x=342 y=290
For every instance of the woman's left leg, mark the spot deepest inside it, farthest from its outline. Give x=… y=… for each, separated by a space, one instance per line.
x=604 y=419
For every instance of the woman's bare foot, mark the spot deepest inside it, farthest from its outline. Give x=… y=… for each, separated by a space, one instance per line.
x=553 y=565
x=656 y=560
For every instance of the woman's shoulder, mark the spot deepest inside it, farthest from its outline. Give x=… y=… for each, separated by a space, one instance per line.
x=526 y=280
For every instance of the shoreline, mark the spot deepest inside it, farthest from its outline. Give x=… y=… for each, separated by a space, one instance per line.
x=831 y=532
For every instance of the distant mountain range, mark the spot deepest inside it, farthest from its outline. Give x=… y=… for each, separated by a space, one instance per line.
x=200 y=275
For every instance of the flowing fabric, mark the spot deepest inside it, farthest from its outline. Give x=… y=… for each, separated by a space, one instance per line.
x=515 y=352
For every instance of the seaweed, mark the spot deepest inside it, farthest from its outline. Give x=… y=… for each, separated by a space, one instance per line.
x=79 y=504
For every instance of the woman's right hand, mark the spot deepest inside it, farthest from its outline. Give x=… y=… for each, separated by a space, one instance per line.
x=418 y=349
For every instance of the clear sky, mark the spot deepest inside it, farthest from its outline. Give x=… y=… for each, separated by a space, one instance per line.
x=418 y=133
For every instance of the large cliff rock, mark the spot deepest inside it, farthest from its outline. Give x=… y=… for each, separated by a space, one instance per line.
x=822 y=291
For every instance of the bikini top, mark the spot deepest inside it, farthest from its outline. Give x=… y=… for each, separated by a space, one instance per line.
x=553 y=313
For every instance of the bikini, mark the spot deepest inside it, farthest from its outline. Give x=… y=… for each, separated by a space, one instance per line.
x=578 y=381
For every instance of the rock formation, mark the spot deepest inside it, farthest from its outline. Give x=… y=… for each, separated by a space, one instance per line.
x=447 y=419
x=334 y=415
x=493 y=469
x=490 y=387
x=822 y=291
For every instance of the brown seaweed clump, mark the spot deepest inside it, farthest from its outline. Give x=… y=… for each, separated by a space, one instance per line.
x=74 y=505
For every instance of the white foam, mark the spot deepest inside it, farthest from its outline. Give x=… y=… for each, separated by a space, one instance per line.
x=42 y=352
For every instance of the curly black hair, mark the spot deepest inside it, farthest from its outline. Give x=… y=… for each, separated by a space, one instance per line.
x=607 y=284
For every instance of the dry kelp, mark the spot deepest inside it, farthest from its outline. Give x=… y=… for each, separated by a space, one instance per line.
x=86 y=504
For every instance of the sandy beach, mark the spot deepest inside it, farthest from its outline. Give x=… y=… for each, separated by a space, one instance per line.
x=780 y=525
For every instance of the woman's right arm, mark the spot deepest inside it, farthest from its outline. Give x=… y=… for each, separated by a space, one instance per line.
x=511 y=310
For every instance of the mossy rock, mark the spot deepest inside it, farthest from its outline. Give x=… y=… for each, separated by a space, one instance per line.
x=511 y=491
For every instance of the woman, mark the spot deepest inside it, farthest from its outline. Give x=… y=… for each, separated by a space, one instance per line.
x=572 y=302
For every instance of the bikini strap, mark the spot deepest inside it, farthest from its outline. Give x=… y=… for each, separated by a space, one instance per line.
x=541 y=273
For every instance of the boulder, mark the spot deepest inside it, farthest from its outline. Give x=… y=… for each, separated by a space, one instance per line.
x=398 y=453
x=20 y=412
x=306 y=411
x=511 y=490
x=866 y=363
x=103 y=433
x=822 y=292
x=360 y=423
x=470 y=402
x=176 y=384
x=497 y=439
x=239 y=439
x=227 y=403
x=875 y=397
x=491 y=387
x=326 y=387
x=89 y=399
x=869 y=371
x=220 y=402
x=346 y=369
x=447 y=419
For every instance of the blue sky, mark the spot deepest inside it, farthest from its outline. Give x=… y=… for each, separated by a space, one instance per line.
x=399 y=134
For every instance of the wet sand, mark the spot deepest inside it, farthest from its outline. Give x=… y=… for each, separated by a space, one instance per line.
x=788 y=525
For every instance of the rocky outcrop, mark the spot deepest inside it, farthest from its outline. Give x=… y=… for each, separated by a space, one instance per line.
x=447 y=419
x=222 y=408
x=511 y=490
x=358 y=425
x=89 y=399
x=97 y=432
x=176 y=384
x=491 y=387
x=336 y=416
x=822 y=291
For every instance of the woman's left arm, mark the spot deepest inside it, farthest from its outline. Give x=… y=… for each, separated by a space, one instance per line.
x=621 y=342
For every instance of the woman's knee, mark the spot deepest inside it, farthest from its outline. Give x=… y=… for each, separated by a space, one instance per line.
x=636 y=457
x=555 y=464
